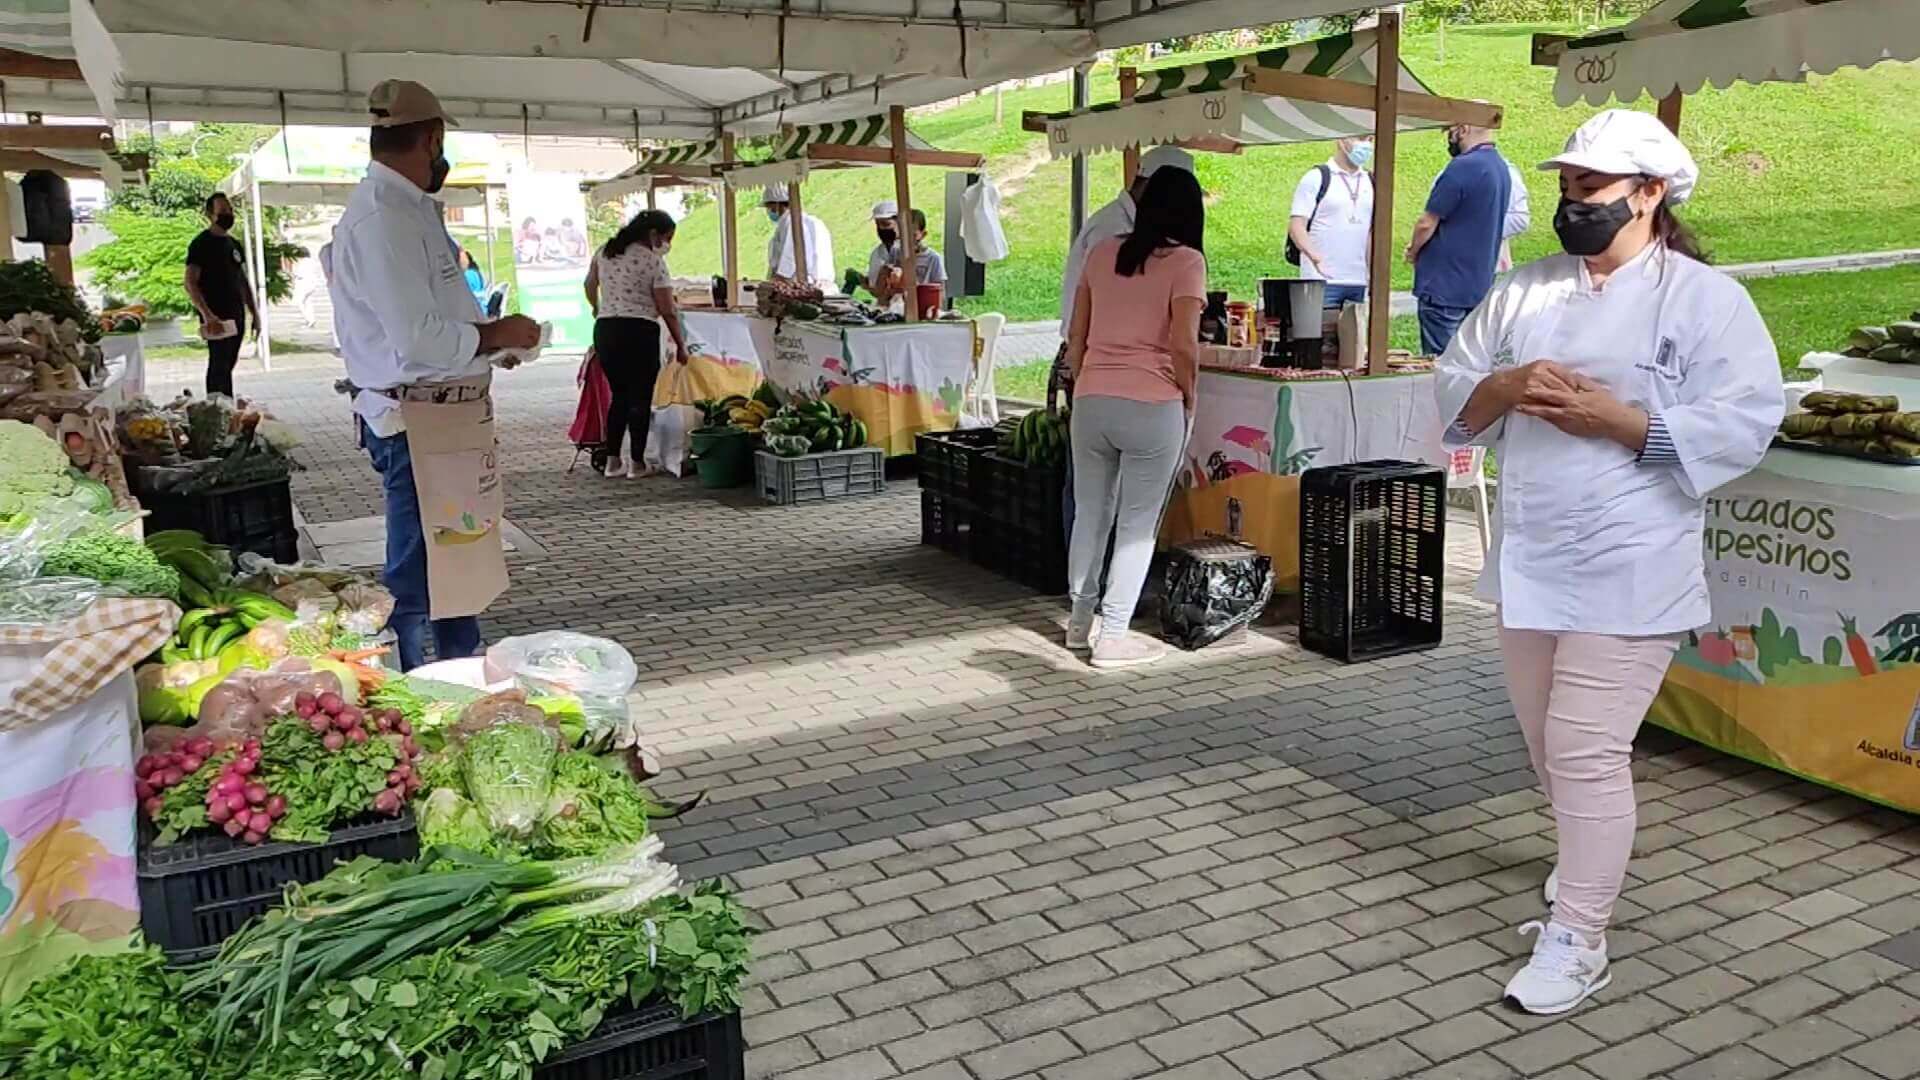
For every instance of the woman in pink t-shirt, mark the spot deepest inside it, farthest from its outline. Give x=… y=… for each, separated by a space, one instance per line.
x=1134 y=347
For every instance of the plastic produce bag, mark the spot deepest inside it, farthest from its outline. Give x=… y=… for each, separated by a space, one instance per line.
x=596 y=671
x=668 y=436
x=1214 y=587
x=980 y=224
x=507 y=758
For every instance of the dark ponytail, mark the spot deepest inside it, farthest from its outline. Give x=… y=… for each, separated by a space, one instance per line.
x=1172 y=213
x=648 y=228
x=1678 y=237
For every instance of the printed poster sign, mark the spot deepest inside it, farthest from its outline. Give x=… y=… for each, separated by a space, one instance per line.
x=1812 y=663
x=722 y=358
x=1254 y=436
x=551 y=252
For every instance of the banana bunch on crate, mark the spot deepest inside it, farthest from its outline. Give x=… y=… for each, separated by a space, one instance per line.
x=1038 y=438
x=217 y=613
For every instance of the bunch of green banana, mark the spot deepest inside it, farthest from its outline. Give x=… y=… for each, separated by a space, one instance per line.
x=203 y=567
x=1038 y=438
x=206 y=630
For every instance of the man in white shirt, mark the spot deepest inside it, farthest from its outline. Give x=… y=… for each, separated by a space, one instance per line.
x=404 y=316
x=1519 y=218
x=1111 y=220
x=780 y=246
x=1332 y=221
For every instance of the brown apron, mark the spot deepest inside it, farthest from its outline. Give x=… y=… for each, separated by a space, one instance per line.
x=456 y=476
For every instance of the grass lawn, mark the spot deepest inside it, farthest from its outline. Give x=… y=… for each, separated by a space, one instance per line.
x=1805 y=312
x=196 y=349
x=1774 y=159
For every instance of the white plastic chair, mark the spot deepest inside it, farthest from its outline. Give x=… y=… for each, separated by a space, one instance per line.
x=1468 y=469
x=984 y=401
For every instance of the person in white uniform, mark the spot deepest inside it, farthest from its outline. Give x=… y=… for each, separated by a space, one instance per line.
x=404 y=316
x=1332 y=221
x=1620 y=383
x=780 y=253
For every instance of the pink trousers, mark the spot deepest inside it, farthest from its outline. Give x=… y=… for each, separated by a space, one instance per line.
x=1580 y=699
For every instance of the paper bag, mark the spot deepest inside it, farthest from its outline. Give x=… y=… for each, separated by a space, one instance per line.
x=668 y=435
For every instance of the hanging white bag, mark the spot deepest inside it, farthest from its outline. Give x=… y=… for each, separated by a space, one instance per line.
x=668 y=436
x=980 y=222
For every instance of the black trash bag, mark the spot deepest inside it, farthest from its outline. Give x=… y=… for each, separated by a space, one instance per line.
x=1213 y=588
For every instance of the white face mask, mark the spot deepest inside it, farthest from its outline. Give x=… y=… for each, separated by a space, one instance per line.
x=1361 y=154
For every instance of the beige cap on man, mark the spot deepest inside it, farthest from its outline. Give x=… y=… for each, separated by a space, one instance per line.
x=402 y=101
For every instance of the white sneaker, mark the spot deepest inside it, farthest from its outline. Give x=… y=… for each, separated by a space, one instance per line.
x=616 y=469
x=1127 y=650
x=1551 y=890
x=1563 y=972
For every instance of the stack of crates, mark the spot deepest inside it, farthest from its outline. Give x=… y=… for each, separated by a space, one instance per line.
x=1373 y=553
x=1004 y=514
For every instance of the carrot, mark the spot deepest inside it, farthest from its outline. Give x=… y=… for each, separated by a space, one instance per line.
x=354 y=656
x=1857 y=647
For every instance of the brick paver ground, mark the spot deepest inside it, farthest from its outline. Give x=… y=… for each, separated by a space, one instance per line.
x=977 y=859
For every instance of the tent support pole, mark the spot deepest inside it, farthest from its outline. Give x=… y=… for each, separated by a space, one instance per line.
x=1077 y=205
x=903 y=194
x=260 y=260
x=486 y=216
x=1670 y=111
x=1130 y=157
x=653 y=201
x=1386 y=129
x=796 y=235
x=730 y=232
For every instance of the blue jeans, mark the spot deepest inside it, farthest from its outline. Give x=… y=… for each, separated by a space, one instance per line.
x=1438 y=324
x=406 y=570
x=1339 y=296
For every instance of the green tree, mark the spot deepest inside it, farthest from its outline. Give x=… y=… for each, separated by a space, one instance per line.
x=153 y=225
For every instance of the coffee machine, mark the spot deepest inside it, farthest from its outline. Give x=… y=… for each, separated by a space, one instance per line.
x=1291 y=322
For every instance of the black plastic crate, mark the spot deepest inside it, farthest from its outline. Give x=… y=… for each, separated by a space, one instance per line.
x=247 y=517
x=1036 y=559
x=196 y=893
x=947 y=524
x=948 y=462
x=654 y=1043
x=1025 y=495
x=1373 y=552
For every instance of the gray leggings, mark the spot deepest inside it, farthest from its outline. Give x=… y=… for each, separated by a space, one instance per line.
x=1124 y=456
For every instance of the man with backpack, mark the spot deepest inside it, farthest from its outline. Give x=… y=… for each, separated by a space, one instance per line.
x=1332 y=222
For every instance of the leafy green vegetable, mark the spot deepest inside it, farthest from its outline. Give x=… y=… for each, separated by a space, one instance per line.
x=104 y=1017
x=112 y=559
x=449 y=819
x=509 y=771
x=591 y=808
x=323 y=788
x=183 y=807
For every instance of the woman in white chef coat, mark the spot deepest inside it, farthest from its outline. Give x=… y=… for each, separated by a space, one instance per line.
x=1620 y=383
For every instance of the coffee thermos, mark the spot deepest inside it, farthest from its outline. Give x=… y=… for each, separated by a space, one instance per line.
x=1291 y=322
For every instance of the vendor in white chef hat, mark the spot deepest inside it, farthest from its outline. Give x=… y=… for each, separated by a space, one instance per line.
x=1620 y=384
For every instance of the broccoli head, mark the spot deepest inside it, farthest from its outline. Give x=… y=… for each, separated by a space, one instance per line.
x=113 y=559
x=25 y=450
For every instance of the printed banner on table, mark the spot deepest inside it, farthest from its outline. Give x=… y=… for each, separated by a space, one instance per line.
x=1254 y=436
x=551 y=252
x=1812 y=663
x=722 y=360
x=66 y=833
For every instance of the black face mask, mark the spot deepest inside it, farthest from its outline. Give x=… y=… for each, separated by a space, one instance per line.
x=1587 y=229
x=441 y=167
x=887 y=236
x=225 y=221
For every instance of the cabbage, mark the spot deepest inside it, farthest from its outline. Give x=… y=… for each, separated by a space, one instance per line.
x=450 y=819
x=591 y=809
x=509 y=771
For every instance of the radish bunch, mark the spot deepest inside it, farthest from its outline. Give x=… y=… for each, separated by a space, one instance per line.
x=155 y=773
x=402 y=782
x=241 y=805
x=339 y=724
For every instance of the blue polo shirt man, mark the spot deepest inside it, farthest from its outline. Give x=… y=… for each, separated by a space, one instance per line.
x=1456 y=242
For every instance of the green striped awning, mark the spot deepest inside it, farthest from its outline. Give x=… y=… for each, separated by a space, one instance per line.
x=789 y=163
x=1685 y=45
x=1210 y=99
x=683 y=153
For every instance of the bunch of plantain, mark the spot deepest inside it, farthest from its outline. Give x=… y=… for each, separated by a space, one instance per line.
x=1038 y=438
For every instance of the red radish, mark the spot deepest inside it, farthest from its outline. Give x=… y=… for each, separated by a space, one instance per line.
x=256 y=793
x=305 y=700
x=234 y=827
x=387 y=802
x=403 y=726
x=304 y=712
x=260 y=822
x=174 y=756
x=201 y=747
x=218 y=812
x=380 y=725
x=152 y=806
x=277 y=806
x=236 y=802
x=143 y=790
x=394 y=777
x=244 y=766
x=192 y=763
x=408 y=748
x=147 y=764
x=334 y=740
x=172 y=776
x=330 y=702
x=228 y=784
x=319 y=725
x=250 y=836
x=358 y=736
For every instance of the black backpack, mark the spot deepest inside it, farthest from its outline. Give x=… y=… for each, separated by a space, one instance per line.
x=1326 y=181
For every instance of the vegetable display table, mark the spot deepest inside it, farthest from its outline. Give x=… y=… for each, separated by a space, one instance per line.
x=1255 y=433
x=900 y=379
x=1812 y=664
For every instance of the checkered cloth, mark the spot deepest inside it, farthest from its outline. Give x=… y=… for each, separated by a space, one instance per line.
x=110 y=637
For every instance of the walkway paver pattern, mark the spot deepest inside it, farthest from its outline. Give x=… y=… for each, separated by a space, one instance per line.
x=977 y=859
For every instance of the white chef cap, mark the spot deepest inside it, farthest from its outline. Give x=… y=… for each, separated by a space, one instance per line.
x=1623 y=142
x=774 y=193
x=886 y=208
x=1164 y=157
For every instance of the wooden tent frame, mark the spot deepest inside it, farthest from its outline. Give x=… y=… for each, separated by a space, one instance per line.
x=1388 y=103
x=835 y=155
